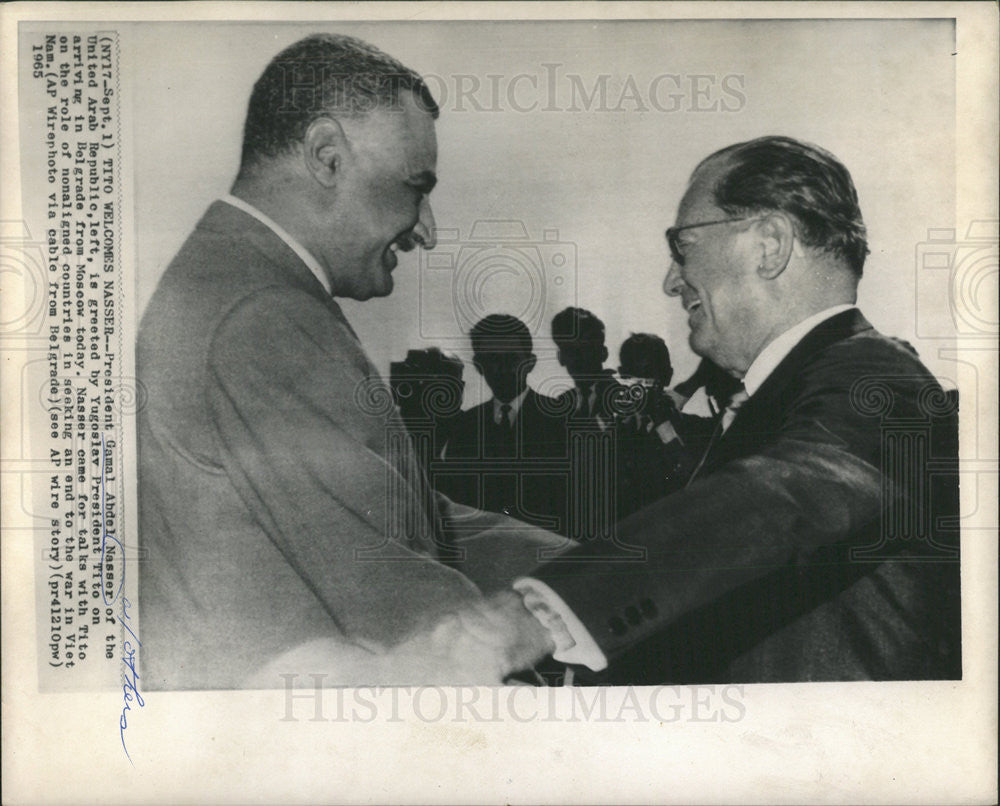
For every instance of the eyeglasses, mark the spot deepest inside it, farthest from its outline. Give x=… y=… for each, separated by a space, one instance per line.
x=674 y=242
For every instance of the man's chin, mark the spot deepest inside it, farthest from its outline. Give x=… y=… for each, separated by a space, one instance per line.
x=700 y=346
x=382 y=288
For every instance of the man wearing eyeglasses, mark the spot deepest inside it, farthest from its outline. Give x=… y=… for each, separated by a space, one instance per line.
x=812 y=542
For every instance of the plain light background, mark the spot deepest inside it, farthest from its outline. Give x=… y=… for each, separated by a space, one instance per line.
x=594 y=185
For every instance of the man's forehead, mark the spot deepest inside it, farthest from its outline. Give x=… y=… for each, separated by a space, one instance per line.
x=404 y=130
x=698 y=203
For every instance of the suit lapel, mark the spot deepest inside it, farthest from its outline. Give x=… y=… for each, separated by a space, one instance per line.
x=288 y=269
x=761 y=415
x=224 y=219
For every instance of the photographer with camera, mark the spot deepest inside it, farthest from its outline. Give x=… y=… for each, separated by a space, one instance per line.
x=427 y=389
x=653 y=460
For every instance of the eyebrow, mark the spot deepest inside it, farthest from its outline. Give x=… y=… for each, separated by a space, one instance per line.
x=425 y=181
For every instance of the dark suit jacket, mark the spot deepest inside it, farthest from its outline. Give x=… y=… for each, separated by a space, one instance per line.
x=606 y=403
x=521 y=471
x=279 y=497
x=818 y=542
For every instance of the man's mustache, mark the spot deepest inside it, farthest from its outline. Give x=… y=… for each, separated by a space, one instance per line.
x=408 y=241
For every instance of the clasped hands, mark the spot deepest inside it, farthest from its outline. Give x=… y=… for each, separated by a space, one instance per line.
x=480 y=644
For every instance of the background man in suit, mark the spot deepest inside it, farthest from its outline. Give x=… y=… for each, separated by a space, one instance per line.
x=514 y=441
x=276 y=510
x=427 y=387
x=579 y=337
x=814 y=543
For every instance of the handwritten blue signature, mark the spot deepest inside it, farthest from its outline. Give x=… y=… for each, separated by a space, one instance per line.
x=130 y=688
x=130 y=691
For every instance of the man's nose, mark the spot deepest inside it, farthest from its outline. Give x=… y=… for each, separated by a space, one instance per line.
x=673 y=284
x=424 y=230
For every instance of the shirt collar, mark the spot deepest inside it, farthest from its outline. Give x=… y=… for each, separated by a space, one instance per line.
x=515 y=407
x=304 y=255
x=772 y=355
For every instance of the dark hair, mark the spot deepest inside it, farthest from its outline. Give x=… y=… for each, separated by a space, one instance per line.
x=428 y=383
x=428 y=363
x=645 y=355
x=322 y=75
x=577 y=326
x=802 y=180
x=500 y=332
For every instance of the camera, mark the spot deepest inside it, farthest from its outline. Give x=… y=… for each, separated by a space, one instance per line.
x=498 y=268
x=964 y=272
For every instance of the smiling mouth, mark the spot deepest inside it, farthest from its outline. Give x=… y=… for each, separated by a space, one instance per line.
x=390 y=258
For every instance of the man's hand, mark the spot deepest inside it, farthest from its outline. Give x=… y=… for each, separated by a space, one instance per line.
x=478 y=645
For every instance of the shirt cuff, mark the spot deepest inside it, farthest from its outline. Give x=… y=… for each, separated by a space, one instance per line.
x=574 y=643
x=666 y=432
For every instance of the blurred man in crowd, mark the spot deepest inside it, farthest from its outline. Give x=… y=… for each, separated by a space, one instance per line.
x=509 y=448
x=579 y=337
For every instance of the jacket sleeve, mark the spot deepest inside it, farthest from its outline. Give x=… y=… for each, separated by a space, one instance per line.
x=310 y=464
x=812 y=488
x=496 y=549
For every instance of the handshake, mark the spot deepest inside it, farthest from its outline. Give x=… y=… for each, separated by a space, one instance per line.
x=479 y=645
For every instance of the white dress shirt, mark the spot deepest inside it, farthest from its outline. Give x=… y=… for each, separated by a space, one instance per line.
x=304 y=254
x=772 y=355
x=574 y=643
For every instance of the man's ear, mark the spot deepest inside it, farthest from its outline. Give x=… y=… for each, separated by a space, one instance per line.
x=477 y=364
x=325 y=147
x=777 y=240
x=559 y=357
x=604 y=354
x=529 y=363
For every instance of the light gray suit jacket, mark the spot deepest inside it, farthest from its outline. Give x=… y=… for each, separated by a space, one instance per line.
x=279 y=498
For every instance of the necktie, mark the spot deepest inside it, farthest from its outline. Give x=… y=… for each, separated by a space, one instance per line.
x=728 y=415
x=505 y=416
x=739 y=398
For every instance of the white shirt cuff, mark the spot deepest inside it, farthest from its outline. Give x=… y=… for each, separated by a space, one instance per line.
x=574 y=643
x=666 y=432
